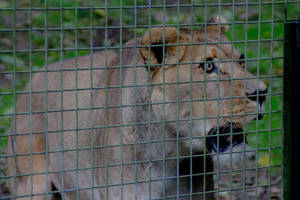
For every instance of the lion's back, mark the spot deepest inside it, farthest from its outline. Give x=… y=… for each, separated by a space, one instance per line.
x=65 y=86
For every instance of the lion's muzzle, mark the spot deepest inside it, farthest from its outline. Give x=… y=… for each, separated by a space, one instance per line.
x=220 y=139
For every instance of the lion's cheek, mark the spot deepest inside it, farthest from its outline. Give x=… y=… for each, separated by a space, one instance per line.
x=240 y=110
x=195 y=130
x=195 y=135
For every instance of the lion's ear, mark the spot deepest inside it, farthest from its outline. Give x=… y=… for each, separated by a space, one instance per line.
x=217 y=23
x=158 y=39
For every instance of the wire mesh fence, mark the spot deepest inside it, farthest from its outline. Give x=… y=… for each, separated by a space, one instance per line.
x=145 y=100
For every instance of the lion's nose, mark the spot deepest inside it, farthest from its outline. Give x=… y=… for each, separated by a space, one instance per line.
x=260 y=97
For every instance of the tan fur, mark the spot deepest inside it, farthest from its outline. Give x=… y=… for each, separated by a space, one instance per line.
x=79 y=141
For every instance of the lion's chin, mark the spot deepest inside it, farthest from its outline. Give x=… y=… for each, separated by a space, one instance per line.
x=225 y=137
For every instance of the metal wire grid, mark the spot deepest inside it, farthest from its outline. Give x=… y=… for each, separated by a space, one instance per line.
x=61 y=50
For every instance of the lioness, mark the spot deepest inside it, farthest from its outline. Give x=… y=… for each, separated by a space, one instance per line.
x=121 y=125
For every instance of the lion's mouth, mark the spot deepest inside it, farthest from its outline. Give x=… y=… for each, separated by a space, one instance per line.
x=222 y=138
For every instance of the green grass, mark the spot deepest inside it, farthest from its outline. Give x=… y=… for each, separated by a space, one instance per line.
x=263 y=133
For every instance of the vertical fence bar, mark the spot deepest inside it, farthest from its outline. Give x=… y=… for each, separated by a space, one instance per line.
x=291 y=111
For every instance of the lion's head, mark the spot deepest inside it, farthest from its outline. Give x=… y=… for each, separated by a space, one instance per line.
x=199 y=79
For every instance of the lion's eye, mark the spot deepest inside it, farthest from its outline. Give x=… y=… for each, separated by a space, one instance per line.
x=209 y=66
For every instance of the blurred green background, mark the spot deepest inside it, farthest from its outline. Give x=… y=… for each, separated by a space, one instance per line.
x=54 y=30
